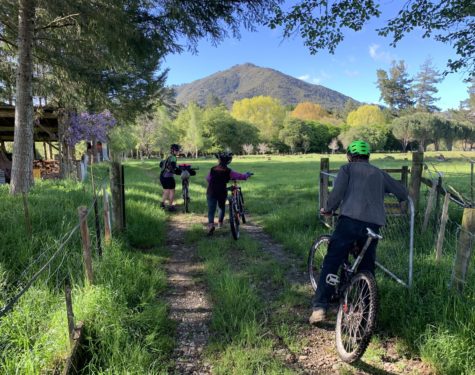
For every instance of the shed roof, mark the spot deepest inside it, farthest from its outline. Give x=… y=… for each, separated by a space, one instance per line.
x=46 y=130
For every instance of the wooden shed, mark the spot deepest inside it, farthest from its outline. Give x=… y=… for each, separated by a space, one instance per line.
x=47 y=131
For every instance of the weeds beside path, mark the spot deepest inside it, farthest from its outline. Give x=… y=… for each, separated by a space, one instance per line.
x=187 y=299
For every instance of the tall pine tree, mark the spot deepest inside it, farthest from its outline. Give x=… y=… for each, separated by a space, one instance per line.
x=425 y=87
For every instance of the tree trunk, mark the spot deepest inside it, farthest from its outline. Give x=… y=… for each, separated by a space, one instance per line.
x=22 y=168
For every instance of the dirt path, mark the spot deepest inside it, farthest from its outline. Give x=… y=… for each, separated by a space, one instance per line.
x=320 y=356
x=187 y=299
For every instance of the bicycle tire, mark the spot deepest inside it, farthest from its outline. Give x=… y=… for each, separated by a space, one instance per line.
x=315 y=258
x=186 y=198
x=233 y=220
x=356 y=319
x=241 y=207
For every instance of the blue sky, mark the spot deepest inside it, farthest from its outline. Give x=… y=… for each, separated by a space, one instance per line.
x=351 y=70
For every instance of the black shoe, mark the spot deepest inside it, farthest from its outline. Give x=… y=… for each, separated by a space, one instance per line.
x=210 y=230
x=162 y=205
x=171 y=208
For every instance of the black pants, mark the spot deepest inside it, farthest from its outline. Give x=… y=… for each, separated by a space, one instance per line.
x=347 y=231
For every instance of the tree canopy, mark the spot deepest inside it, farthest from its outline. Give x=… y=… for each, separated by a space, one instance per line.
x=322 y=23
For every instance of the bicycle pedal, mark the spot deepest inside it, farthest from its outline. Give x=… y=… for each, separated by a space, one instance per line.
x=332 y=279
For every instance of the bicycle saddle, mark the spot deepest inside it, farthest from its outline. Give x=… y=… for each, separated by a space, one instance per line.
x=373 y=235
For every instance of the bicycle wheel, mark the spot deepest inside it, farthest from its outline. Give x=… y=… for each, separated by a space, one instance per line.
x=233 y=219
x=356 y=319
x=186 y=198
x=241 y=207
x=315 y=258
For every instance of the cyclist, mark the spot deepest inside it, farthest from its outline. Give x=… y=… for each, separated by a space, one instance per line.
x=167 y=178
x=359 y=192
x=216 y=193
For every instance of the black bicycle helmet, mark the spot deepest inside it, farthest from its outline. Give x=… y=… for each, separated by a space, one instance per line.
x=175 y=147
x=224 y=157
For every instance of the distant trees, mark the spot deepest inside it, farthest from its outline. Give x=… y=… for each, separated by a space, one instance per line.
x=366 y=115
x=425 y=88
x=395 y=87
x=264 y=112
x=309 y=111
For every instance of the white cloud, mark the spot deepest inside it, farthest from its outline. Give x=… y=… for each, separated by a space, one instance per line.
x=379 y=55
x=315 y=79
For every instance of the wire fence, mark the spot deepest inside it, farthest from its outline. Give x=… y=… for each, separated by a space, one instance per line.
x=54 y=264
x=441 y=238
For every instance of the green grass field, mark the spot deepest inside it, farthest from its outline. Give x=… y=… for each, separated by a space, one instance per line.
x=127 y=325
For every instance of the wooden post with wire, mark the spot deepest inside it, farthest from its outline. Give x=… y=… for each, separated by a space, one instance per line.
x=86 y=244
x=404 y=175
x=443 y=223
x=107 y=218
x=75 y=333
x=324 y=170
x=430 y=204
x=464 y=249
x=115 y=182
x=416 y=175
x=69 y=310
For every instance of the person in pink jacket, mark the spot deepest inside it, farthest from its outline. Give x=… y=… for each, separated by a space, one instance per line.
x=216 y=194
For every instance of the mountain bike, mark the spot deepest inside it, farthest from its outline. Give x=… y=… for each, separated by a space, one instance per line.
x=185 y=172
x=356 y=293
x=236 y=208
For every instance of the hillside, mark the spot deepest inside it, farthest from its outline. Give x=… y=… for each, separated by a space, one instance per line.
x=248 y=80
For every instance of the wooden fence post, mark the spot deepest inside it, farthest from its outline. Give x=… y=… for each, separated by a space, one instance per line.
x=69 y=310
x=464 y=249
x=115 y=179
x=430 y=205
x=86 y=243
x=443 y=222
x=122 y=194
x=416 y=174
x=438 y=193
x=323 y=194
x=404 y=175
x=97 y=225
x=107 y=219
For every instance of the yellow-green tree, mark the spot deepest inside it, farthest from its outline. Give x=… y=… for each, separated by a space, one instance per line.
x=309 y=111
x=265 y=112
x=367 y=115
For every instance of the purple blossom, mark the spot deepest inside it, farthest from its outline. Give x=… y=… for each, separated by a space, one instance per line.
x=88 y=126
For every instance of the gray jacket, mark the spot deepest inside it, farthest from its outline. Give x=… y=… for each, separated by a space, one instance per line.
x=359 y=189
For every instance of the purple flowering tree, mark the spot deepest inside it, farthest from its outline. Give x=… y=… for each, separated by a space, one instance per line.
x=89 y=127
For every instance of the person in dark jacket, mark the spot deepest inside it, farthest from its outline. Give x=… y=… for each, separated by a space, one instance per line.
x=167 y=177
x=358 y=191
x=216 y=194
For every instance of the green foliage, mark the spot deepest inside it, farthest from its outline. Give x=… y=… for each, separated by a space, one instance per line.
x=189 y=124
x=425 y=88
x=306 y=136
x=226 y=133
x=265 y=112
x=375 y=135
x=321 y=24
x=395 y=88
x=126 y=327
x=367 y=115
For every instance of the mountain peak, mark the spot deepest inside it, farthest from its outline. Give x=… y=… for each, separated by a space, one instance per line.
x=248 y=80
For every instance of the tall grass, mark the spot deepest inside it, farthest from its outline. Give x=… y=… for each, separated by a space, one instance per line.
x=126 y=326
x=429 y=320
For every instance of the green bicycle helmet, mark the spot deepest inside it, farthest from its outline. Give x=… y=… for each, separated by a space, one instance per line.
x=359 y=148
